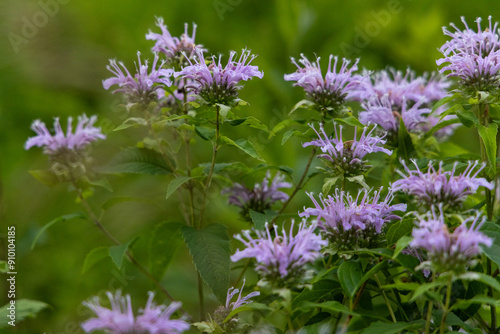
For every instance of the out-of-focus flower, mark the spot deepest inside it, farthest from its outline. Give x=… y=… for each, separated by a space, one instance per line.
x=120 y=318
x=281 y=260
x=218 y=84
x=449 y=250
x=175 y=49
x=439 y=186
x=261 y=197
x=331 y=91
x=143 y=86
x=346 y=157
x=473 y=57
x=347 y=221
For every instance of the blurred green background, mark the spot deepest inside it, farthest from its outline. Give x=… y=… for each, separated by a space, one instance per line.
x=53 y=65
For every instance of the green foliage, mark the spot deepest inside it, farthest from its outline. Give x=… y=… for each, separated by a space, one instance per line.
x=137 y=160
x=24 y=308
x=164 y=242
x=76 y=215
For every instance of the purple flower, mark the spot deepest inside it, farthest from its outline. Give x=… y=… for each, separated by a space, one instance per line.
x=120 y=318
x=261 y=197
x=448 y=250
x=349 y=221
x=281 y=259
x=472 y=56
x=218 y=84
x=332 y=90
x=143 y=86
x=174 y=48
x=240 y=301
x=347 y=155
x=84 y=134
x=440 y=186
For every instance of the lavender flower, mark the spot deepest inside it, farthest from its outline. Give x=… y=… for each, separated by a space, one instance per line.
x=281 y=260
x=440 y=186
x=174 y=48
x=473 y=57
x=331 y=91
x=346 y=157
x=349 y=221
x=143 y=86
x=261 y=197
x=218 y=84
x=120 y=318
x=448 y=250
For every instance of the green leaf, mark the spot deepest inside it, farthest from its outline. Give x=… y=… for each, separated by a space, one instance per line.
x=253 y=306
x=439 y=126
x=223 y=110
x=380 y=327
x=350 y=120
x=492 y=230
x=359 y=179
x=401 y=244
x=373 y=271
x=132 y=121
x=480 y=277
x=164 y=243
x=120 y=199
x=398 y=230
x=331 y=306
x=443 y=101
x=283 y=125
x=425 y=288
x=260 y=219
x=136 y=160
x=205 y=133
x=64 y=218
x=319 y=290
x=117 y=253
x=329 y=183
x=94 y=256
x=489 y=135
x=24 y=308
x=406 y=149
x=47 y=177
x=244 y=145
x=251 y=122
x=350 y=275
x=176 y=183
x=3 y=267
x=465 y=303
x=306 y=104
x=467 y=118
x=210 y=249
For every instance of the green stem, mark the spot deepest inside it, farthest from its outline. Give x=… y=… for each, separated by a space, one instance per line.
x=446 y=308
x=242 y=273
x=385 y=298
x=429 y=317
x=200 y=294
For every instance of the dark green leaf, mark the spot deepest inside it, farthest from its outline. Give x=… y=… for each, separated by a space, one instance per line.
x=467 y=118
x=465 y=303
x=331 y=306
x=489 y=136
x=425 y=288
x=390 y=327
x=319 y=290
x=492 y=230
x=406 y=149
x=118 y=252
x=64 y=218
x=176 y=183
x=350 y=275
x=244 y=145
x=24 y=308
x=205 y=133
x=94 y=256
x=260 y=219
x=398 y=230
x=253 y=306
x=211 y=252
x=138 y=161
x=480 y=277
x=164 y=243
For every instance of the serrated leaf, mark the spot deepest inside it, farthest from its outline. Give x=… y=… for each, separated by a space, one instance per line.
x=379 y=327
x=260 y=219
x=205 y=133
x=64 y=218
x=136 y=160
x=164 y=243
x=398 y=230
x=47 y=177
x=492 y=230
x=350 y=275
x=210 y=249
x=24 y=308
x=117 y=253
x=176 y=183
x=244 y=145
x=93 y=257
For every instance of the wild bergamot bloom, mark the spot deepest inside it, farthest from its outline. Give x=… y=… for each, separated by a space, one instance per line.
x=281 y=259
x=438 y=186
x=68 y=153
x=347 y=221
x=215 y=83
x=449 y=250
x=144 y=86
x=330 y=92
x=473 y=57
x=120 y=319
x=346 y=157
x=175 y=49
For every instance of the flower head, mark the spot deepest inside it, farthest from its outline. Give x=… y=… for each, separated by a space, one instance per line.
x=261 y=197
x=216 y=83
x=349 y=221
x=332 y=90
x=281 y=259
x=120 y=318
x=143 y=86
x=439 y=186
x=473 y=57
x=449 y=250
x=174 y=48
x=346 y=157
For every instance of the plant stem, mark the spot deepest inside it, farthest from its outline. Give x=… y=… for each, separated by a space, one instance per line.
x=200 y=294
x=242 y=272
x=429 y=316
x=446 y=309
x=385 y=298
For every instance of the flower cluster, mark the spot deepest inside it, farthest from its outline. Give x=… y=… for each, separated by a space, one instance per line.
x=215 y=83
x=261 y=197
x=448 y=250
x=331 y=91
x=120 y=319
x=175 y=49
x=473 y=57
x=439 y=186
x=281 y=260
x=143 y=87
x=346 y=157
x=347 y=221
